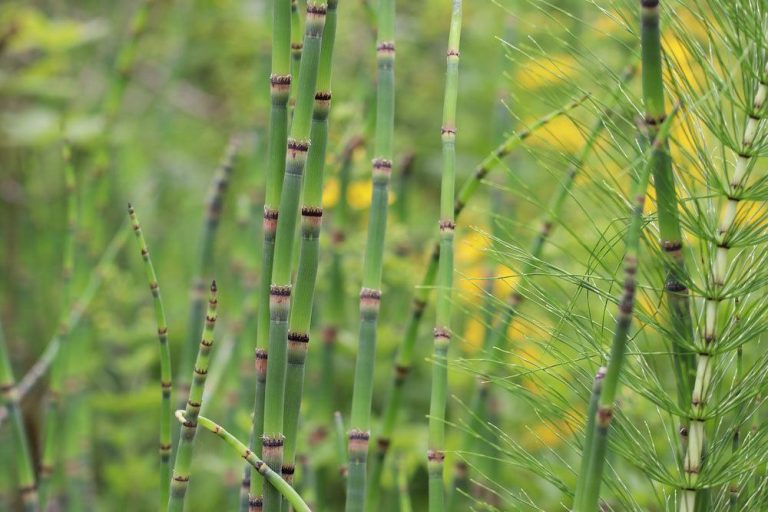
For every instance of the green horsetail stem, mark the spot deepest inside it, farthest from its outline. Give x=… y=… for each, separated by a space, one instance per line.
x=404 y=359
x=447 y=225
x=311 y=223
x=79 y=306
x=183 y=465
x=274 y=479
x=279 y=91
x=593 y=477
x=280 y=289
x=9 y=397
x=370 y=294
x=707 y=346
x=341 y=443
x=54 y=418
x=166 y=375
x=205 y=269
x=589 y=436
x=671 y=242
x=297 y=45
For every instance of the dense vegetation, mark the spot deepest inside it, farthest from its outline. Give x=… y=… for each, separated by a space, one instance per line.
x=505 y=255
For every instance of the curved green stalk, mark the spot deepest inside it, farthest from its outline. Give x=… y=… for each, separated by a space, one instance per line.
x=447 y=226
x=280 y=289
x=279 y=90
x=9 y=397
x=183 y=464
x=54 y=419
x=311 y=222
x=589 y=437
x=274 y=479
x=404 y=359
x=370 y=294
x=205 y=269
x=297 y=46
x=166 y=375
x=593 y=477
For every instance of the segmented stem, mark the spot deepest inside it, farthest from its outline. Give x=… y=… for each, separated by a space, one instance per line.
x=442 y=331
x=183 y=465
x=370 y=294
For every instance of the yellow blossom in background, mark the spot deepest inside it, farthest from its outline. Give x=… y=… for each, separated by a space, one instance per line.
x=330 y=193
x=542 y=72
x=546 y=434
x=359 y=194
x=560 y=133
x=474 y=333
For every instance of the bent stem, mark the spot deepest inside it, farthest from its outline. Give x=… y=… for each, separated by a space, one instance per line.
x=182 y=467
x=274 y=479
x=166 y=376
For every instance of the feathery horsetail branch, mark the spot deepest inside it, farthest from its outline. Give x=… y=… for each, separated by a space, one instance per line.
x=370 y=294
x=598 y=439
x=404 y=359
x=283 y=487
x=214 y=205
x=166 y=375
x=182 y=466
x=671 y=242
x=442 y=331
x=311 y=220
x=279 y=90
x=280 y=289
x=712 y=333
x=9 y=397
x=53 y=431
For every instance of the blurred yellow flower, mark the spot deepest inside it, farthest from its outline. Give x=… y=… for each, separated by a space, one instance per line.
x=561 y=133
x=359 y=194
x=474 y=333
x=330 y=193
x=546 y=71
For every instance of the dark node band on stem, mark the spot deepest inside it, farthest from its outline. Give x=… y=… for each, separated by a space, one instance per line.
x=298 y=337
x=386 y=47
x=298 y=146
x=447 y=225
x=311 y=211
x=435 y=456
x=383 y=443
x=316 y=8
x=288 y=469
x=452 y=52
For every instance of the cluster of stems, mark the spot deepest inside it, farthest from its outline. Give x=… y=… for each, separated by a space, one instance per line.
x=447 y=225
x=166 y=375
x=311 y=223
x=281 y=288
x=405 y=353
x=182 y=467
x=370 y=293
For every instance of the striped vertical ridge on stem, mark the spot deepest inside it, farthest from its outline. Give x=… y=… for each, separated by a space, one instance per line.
x=593 y=476
x=166 y=376
x=51 y=449
x=281 y=288
x=370 y=294
x=9 y=397
x=442 y=332
x=183 y=465
x=311 y=222
x=279 y=90
x=702 y=392
x=404 y=358
x=297 y=46
x=214 y=205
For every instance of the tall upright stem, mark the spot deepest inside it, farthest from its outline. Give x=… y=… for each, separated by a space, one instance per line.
x=447 y=225
x=280 y=86
x=166 y=376
x=370 y=294
x=281 y=288
x=311 y=223
x=183 y=465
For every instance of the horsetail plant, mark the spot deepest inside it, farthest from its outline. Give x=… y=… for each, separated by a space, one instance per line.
x=279 y=91
x=404 y=358
x=182 y=466
x=280 y=289
x=370 y=293
x=598 y=438
x=53 y=432
x=447 y=225
x=272 y=477
x=205 y=269
x=311 y=223
x=166 y=374
x=25 y=468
